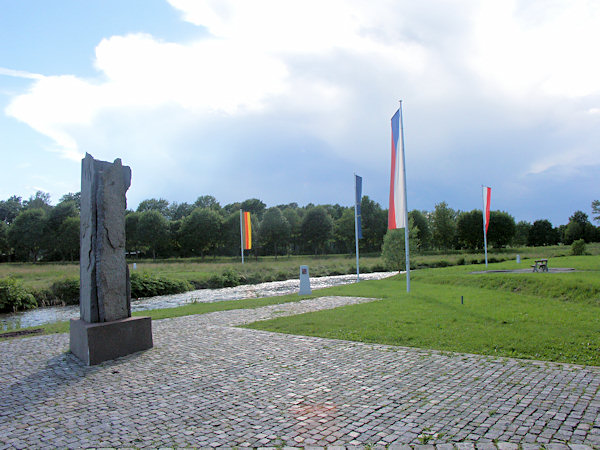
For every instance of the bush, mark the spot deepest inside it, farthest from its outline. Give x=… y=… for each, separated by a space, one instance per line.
x=14 y=296
x=230 y=278
x=144 y=285
x=578 y=247
x=66 y=291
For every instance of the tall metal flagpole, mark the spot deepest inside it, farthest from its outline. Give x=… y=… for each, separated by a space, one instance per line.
x=484 y=219
x=356 y=230
x=242 y=235
x=405 y=205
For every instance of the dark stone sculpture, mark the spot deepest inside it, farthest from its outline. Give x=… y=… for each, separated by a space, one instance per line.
x=105 y=294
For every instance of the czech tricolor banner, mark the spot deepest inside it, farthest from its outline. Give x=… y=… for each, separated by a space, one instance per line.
x=396 y=212
x=487 y=193
x=247 y=227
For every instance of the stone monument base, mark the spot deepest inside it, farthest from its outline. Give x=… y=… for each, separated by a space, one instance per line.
x=94 y=343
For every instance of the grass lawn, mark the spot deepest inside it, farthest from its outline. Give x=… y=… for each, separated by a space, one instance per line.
x=544 y=316
x=553 y=317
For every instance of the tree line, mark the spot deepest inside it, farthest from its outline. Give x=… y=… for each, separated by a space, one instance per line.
x=35 y=230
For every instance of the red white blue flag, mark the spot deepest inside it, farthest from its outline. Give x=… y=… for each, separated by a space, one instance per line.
x=397 y=209
x=487 y=193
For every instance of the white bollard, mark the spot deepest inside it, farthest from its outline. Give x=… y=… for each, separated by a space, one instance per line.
x=134 y=266
x=518 y=259
x=304 y=281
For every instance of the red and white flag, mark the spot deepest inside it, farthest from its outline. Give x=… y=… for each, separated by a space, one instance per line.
x=397 y=210
x=487 y=192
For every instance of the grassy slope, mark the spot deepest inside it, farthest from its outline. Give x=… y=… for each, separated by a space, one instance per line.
x=551 y=317
x=554 y=317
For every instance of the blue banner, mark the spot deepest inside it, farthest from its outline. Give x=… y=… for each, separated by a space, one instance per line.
x=358 y=198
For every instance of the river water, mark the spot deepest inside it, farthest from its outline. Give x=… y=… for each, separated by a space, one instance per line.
x=42 y=316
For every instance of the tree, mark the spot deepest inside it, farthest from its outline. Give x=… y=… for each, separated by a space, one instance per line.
x=230 y=234
x=208 y=202
x=152 y=204
x=55 y=218
x=178 y=211
x=501 y=230
x=469 y=229
x=541 y=233
x=579 y=227
x=344 y=232
x=200 y=231
x=153 y=231
x=4 y=247
x=132 y=243
x=422 y=227
x=374 y=224
x=443 y=222
x=254 y=206
x=596 y=210
x=293 y=218
x=26 y=234
x=67 y=239
x=72 y=197
x=521 y=232
x=39 y=200
x=274 y=230
x=316 y=229
x=10 y=209
x=392 y=250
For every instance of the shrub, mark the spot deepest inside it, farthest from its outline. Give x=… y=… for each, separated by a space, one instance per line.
x=578 y=247
x=215 y=281
x=66 y=291
x=460 y=261
x=144 y=285
x=230 y=278
x=14 y=296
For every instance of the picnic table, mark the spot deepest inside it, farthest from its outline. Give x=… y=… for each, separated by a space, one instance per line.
x=541 y=265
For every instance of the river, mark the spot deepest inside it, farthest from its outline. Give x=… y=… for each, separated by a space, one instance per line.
x=42 y=316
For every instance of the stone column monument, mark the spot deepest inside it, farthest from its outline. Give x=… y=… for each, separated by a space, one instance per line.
x=105 y=329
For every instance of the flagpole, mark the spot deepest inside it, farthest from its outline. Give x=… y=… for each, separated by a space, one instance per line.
x=484 y=231
x=242 y=234
x=405 y=205
x=356 y=230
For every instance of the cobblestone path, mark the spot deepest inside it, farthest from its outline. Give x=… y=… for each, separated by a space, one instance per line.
x=208 y=383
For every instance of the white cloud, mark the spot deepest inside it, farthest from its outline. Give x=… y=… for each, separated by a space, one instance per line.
x=20 y=74
x=537 y=47
x=336 y=69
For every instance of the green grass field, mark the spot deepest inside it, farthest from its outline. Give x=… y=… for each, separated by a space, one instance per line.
x=544 y=316
x=552 y=317
x=42 y=275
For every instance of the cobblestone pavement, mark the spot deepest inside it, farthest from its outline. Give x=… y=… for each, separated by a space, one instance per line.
x=207 y=383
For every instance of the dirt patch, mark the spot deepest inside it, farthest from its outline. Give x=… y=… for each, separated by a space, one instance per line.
x=11 y=334
x=550 y=270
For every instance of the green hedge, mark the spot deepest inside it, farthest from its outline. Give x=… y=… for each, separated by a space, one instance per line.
x=14 y=297
x=144 y=285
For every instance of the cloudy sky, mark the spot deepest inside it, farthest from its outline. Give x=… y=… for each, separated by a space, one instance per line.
x=284 y=99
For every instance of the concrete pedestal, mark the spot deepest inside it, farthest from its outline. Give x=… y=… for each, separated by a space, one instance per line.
x=94 y=343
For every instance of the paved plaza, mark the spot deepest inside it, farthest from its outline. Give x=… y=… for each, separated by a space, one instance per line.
x=207 y=383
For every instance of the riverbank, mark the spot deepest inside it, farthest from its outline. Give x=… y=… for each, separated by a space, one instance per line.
x=49 y=315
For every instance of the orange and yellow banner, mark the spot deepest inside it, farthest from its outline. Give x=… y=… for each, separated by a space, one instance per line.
x=247 y=231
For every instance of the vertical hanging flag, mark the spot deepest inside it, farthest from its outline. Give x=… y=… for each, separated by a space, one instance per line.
x=396 y=212
x=358 y=198
x=487 y=193
x=247 y=231
x=357 y=225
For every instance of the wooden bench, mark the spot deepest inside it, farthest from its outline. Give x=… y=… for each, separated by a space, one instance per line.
x=541 y=265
